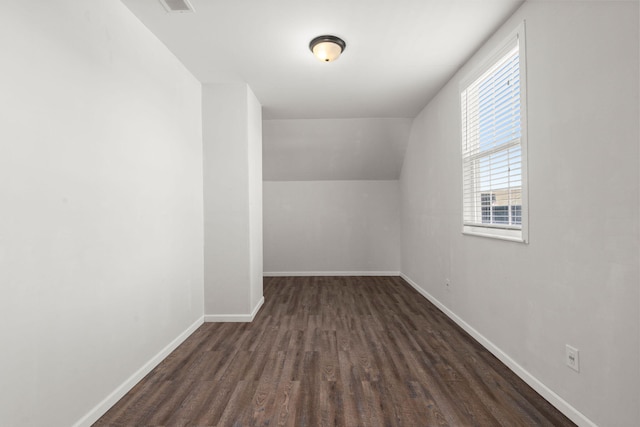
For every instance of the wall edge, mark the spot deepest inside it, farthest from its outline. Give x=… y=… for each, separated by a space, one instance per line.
x=101 y=408
x=558 y=402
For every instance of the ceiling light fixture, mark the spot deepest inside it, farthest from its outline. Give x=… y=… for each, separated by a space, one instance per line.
x=327 y=48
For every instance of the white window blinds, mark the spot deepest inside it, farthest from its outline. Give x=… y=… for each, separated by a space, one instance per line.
x=491 y=145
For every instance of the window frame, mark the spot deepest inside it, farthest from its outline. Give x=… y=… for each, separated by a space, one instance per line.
x=496 y=231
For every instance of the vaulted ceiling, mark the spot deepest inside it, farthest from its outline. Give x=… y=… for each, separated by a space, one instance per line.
x=399 y=54
x=337 y=149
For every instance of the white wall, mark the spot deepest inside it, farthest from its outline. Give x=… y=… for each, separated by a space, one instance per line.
x=232 y=201
x=101 y=232
x=331 y=195
x=577 y=281
x=331 y=226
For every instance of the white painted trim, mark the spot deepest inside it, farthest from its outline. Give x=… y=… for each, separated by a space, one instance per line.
x=328 y=273
x=234 y=317
x=101 y=408
x=562 y=405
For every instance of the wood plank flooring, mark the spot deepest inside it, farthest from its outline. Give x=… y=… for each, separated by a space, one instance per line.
x=334 y=351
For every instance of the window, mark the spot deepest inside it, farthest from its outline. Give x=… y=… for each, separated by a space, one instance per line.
x=494 y=145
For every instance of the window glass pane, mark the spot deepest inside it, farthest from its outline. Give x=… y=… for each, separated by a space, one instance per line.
x=499 y=105
x=492 y=154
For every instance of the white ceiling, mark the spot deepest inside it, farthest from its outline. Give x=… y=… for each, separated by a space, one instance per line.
x=399 y=52
x=344 y=120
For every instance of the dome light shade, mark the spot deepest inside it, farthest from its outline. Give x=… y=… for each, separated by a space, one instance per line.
x=327 y=48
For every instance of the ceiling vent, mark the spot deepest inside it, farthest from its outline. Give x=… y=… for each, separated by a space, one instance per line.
x=177 y=6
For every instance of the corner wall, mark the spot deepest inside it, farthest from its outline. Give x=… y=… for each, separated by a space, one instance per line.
x=232 y=143
x=577 y=281
x=101 y=233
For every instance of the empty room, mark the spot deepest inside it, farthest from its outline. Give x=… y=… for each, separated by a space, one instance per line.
x=339 y=213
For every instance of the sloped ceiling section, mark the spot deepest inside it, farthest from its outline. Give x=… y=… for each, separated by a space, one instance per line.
x=334 y=149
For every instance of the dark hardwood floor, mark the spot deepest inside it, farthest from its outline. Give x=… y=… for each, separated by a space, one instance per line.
x=334 y=351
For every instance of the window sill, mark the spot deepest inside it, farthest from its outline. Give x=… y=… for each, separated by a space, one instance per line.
x=495 y=233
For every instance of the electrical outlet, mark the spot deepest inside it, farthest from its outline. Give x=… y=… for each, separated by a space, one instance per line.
x=572 y=358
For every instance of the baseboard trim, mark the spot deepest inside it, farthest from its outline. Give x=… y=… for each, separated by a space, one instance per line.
x=101 y=408
x=328 y=273
x=562 y=405
x=234 y=317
